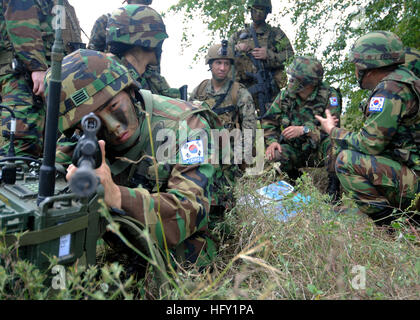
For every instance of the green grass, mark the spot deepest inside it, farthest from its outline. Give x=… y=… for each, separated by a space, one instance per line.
x=316 y=255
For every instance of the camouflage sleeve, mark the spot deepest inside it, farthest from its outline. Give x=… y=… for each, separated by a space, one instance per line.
x=98 y=34
x=271 y=121
x=158 y=84
x=193 y=95
x=24 y=29
x=183 y=205
x=247 y=107
x=383 y=113
x=335 y=103
x=280 y=50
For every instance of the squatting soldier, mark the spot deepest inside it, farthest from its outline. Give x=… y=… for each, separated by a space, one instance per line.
x=26 y=40
x=290 y=127
x=380 y=164
x=230 y=100
x=275 y=49
x=135 y=34
x=97 y=39
x=182 y=199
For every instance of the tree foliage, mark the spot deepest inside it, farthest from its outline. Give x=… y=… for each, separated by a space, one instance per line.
x=325 y=29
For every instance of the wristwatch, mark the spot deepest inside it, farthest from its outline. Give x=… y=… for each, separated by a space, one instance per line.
x=305 y=130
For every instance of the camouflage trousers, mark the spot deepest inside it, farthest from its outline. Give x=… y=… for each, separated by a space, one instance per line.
x=30 y=116
x=292 y=158
x=376 y=183
x=200 y=249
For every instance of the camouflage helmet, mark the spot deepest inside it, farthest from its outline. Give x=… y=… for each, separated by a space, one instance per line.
x=262 y=3
x=145 y=2
x=216 y=52
x=89 y=79
x=306 y=69
x=136 y=25
x=377 y=49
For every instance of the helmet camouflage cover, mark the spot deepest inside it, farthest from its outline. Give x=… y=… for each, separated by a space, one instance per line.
x=262 y=3
x=306 y=69
x=377 y=49
x=89 y=79
x=136 y=25
x=216 y=52
x=146 y=2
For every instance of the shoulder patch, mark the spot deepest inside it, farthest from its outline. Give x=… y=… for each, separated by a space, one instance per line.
x=334 y=101
x=376 y=104
x=192 y=152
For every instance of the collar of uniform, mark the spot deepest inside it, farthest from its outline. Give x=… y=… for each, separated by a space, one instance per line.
x=223 y=90
x=263 y=29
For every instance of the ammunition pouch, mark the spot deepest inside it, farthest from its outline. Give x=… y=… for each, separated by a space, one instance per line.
x=6 y=60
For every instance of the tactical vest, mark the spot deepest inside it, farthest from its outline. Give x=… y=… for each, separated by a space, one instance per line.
x=139 y=170
x=410 y=120
x=227 y=110
x=244 y=66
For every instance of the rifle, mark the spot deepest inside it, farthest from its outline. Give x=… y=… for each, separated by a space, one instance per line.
x=184 y=92
x=87 y=157
x=264 y=79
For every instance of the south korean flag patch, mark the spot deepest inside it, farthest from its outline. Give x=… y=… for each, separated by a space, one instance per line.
x=376 y=104
x=333 y=101
x=192 y=152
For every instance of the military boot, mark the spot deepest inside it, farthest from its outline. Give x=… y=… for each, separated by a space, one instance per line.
x=333 y=188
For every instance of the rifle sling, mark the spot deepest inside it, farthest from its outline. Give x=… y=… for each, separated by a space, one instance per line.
x=222 y=97
x=48 y=234
x=224 y=110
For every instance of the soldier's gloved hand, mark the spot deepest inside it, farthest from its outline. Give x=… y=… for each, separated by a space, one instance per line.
x=292 y=132
x=38 y=80
x=270 y=153
x=259 y=53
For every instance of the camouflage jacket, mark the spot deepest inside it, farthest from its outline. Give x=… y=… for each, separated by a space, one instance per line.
x=392 y=125
x=279 y=50
x=6 y=48
x=180 y=186
x=29 y=27
x=237 y=106
x=30 y=31
x=292 y=111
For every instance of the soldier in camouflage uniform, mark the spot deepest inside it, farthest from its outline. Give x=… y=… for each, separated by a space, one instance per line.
x=232 y=102
x=97 y=39
x=27 y=35
x=380 y=164
x=289 y=125
x=134 y=32
x=274 y=52
x=102 y=85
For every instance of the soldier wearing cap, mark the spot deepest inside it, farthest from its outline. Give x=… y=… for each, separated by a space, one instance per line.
x=97 y=39
x=136 y=34
x=275 y=50
x=292 y=134
x=171 y=200
x=234 y=106
x=380 y=165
